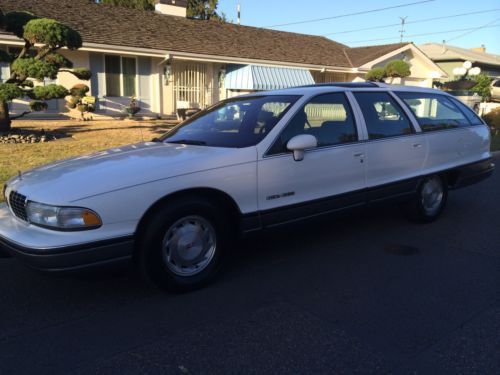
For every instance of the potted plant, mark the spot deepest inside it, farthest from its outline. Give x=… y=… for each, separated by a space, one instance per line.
x=132 y=108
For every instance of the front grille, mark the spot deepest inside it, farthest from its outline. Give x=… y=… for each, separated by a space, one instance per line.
x=17 y=203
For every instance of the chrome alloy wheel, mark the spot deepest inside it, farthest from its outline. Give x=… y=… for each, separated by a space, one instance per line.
x=189 y=246
x=432 y=195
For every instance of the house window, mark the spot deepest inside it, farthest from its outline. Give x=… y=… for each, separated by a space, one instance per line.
x=129 y=76
x=121 y=75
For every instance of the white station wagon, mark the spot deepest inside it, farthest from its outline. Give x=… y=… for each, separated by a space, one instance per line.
x=176 y=205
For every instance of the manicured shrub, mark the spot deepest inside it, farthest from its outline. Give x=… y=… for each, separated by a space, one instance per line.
x=492 y=118
x=397 y=69
x=79 y=90
x=393 y=69
x=376 y=74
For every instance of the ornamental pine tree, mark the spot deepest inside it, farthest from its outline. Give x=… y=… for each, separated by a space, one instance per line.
x=393 y=69
x=38 y=59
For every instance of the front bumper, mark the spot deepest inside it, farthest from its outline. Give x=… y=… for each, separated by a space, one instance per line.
x=89 y=255
x=50 y=250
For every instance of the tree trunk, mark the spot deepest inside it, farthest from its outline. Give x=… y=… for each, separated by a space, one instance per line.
x=4 y=117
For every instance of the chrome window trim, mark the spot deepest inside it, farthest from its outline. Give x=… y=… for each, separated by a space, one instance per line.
x=408 y=111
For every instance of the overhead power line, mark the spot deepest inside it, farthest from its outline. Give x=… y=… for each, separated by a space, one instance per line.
x=412 y=22
x=477 y=28
x=350 y=14
x=470 y=29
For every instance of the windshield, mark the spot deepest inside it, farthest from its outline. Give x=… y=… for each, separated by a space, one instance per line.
x=235 y=123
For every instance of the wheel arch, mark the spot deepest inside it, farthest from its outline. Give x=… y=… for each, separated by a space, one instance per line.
x=220 y=198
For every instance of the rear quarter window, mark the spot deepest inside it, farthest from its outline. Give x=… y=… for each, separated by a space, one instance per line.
x=434 y=112
x=468 y=112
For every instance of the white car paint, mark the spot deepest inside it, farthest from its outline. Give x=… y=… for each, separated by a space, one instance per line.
x=121 y=184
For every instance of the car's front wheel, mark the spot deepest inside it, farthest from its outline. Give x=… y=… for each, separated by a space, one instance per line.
x=184 y=244
x=430 y=199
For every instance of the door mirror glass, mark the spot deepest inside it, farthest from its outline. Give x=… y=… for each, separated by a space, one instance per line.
x=300 y=143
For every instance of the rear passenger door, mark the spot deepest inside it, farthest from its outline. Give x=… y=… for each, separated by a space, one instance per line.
x=395 y=150
x=450 y=130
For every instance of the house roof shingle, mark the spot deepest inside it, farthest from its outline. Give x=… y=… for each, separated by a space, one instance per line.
x=119 y=26
x=362 y=55
x=440 y=52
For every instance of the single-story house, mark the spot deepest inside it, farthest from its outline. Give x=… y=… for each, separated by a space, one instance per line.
x=450 y=57
x=169 y=62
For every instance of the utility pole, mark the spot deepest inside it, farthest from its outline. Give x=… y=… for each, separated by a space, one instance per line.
x=402 y=31
x=239 y=13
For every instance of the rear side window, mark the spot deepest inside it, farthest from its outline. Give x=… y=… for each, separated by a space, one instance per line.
x=434 y=112
x=383 y=116
x=468 y=112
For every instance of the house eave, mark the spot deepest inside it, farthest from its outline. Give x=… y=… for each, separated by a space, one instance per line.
x=177 y=55
x=180 y=55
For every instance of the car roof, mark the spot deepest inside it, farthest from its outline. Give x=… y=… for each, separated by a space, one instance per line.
x=346 y=86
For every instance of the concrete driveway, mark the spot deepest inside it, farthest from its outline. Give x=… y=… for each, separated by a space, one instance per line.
x=370 y=293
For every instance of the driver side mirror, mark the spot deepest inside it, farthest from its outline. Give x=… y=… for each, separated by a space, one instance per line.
x=300 y=143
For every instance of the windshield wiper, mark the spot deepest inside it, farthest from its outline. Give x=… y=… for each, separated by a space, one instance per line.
x=189 y=142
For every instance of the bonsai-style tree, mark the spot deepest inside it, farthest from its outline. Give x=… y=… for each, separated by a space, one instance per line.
x=76 y=99
x=376 y=74
x=397 y=69
x=37 y=60
x=393 y=69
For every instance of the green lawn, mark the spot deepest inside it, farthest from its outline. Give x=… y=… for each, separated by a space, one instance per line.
x=83 y=137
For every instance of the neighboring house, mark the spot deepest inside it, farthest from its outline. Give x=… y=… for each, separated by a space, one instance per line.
x=450 y=57
x=169 y=62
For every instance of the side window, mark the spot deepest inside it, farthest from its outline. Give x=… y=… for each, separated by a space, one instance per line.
x=328 y=117
x=434 y=112
x=383 y=116
x=468 y=112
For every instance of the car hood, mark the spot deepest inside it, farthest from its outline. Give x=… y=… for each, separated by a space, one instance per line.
x=117 y=168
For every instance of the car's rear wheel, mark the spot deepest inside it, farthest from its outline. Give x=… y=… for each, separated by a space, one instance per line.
x=430 y=199
x=184 y=244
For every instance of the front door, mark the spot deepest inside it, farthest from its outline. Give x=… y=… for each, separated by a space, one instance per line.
x=330 y=177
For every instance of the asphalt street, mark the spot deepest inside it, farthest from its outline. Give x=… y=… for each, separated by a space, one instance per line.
x=367 y=293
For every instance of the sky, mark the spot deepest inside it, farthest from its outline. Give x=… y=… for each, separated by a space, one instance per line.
x=465 y=31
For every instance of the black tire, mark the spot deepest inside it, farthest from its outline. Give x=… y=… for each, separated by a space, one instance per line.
x=418 y=209
x=151 y=255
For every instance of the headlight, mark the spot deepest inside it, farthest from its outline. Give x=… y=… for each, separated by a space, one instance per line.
x=62 y=218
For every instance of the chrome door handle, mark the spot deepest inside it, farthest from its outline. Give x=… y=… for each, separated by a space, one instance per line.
x=359 y=155
x=417 y=145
